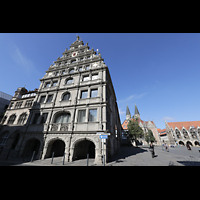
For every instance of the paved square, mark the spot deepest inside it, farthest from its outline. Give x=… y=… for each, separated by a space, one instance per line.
x=128 y=156
x=178 y=156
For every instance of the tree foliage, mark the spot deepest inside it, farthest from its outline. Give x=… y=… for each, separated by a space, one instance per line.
x=135 y=131
x=149 y=137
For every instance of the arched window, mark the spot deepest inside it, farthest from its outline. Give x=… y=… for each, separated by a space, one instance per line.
x=178 y=134
x=22 y=118
x=71 y=71
x=69 y=81
x=11 y=119
x=63 y=118
x=4 y=119
x=66 y=96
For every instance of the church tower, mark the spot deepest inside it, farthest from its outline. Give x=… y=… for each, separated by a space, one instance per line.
x=128 y=114
x=137 y=114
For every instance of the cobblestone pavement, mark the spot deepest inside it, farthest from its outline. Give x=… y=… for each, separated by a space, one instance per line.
x=128 y=156
x=178 y=156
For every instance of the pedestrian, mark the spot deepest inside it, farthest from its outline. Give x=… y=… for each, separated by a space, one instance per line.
x=166 y=147
x=188 y=146
x=151 y=149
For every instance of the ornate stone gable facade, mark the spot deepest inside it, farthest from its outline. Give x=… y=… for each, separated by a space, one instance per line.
x=182 y=133
x=75 y=100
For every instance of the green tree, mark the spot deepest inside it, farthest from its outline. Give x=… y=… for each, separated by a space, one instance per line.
x=149 y=136
x=135 y=131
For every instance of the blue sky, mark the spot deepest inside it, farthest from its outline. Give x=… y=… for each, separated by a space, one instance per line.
x=159 y=72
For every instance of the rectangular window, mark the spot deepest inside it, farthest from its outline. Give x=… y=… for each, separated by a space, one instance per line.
x=87 y=67
x=18 y=104
x=44 y=118
x=11 y=105
x=55 y=83
x=42 y=98
x=86 y=78
x=47 y=85
x=94 y=93
x=93 y=115
x=28 y=103
x=95 y=76
x=49 y=99
x=81 y=115
x=84 y=94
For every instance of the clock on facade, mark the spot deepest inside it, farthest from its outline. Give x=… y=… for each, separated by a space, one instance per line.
x=74 y=54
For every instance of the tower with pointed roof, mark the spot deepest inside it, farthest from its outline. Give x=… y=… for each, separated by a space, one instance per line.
x=128 y=114
x=145 y=125
x=137 y=114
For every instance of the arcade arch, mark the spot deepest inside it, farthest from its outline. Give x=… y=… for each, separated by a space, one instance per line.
x=57 y=146
x=82 y=148
x=31 y=145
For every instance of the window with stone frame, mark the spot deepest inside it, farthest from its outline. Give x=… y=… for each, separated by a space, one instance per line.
x=42 y=99
x=55 y=83
x=81 y=115
x=44 y=118
x=95 y=76
x=28 y=103
x=66 y=96
x=4 y=119
x=69 y=81
x=92 y=115
x=86 y=78
x=63 y=118
x=11 y=105
x=47 y=84
x=50 y=98
x=18 y=104
x=11 y=119
x=84 y=94
x=4 y=138
x=22 y=118
x=94 y=93
x=71 y=71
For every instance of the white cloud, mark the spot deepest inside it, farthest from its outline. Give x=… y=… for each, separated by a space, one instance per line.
x=121 y=112
x=133 y=96
x=168 y=119
x=23 y=62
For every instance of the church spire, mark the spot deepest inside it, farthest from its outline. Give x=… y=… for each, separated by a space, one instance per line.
x=128 y=114
x=137 y=114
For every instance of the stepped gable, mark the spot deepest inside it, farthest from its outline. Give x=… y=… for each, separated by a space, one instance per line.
x=77 y=54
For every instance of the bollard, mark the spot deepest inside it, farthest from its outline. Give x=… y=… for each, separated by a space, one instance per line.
x=103 y=160
x=87 y=159
x=64 y=159
x=52 y=158
x=32 y=156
